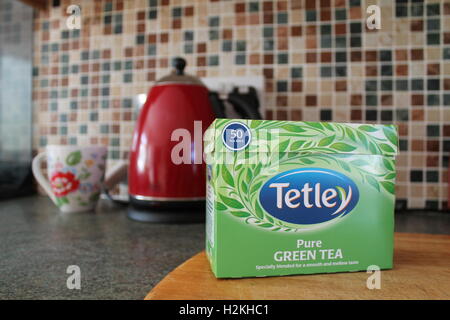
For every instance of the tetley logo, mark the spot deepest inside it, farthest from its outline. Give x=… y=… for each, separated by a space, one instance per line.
x=309 y=196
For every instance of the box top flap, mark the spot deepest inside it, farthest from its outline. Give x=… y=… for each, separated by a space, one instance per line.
x=236 y=135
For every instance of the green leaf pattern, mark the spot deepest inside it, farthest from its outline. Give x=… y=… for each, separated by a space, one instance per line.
x=347 y=146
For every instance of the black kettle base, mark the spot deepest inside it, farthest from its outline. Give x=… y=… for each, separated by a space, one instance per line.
x=167 y=212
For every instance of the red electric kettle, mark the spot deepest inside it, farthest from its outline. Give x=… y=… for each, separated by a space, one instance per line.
x=161 y=176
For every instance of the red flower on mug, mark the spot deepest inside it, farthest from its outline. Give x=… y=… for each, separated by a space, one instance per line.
x=63 y=183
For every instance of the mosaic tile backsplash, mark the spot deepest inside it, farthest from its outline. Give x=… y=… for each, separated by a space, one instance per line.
x=319 y=60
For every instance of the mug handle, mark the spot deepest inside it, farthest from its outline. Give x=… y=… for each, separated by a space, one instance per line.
x=40 y=178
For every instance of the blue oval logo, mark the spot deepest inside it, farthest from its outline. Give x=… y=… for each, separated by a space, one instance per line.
x=309 y=196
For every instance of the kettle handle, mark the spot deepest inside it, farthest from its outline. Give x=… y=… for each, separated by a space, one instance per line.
x=244 y=108
x=240 y=105
x=217 y=105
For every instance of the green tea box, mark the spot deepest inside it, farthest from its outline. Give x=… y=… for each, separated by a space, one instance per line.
x=289 y=197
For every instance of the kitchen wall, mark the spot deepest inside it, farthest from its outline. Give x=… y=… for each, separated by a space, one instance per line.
x=15 y=82
x=319 y=60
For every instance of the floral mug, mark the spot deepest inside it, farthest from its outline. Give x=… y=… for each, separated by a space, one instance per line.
x=75 y=175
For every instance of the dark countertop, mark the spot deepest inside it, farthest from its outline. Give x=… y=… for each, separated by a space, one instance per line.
x=119 y=258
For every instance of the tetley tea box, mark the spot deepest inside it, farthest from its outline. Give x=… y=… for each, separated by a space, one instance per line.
x=299 y=197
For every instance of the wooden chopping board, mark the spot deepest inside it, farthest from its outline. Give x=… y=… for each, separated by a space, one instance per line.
x=421 y=271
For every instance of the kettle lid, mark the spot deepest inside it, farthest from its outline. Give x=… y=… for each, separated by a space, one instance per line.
x=178 y=76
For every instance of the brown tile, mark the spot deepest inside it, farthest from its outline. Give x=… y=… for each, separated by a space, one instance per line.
x=254 y=58
x=75 y=45
x=416 y=54
x=447 y=8
x=371 y=71
x=417 y=25
x=356 y=115
x=417 y=99
x=128 y=52
x=282 y=5
x=311 y=42
x=139 y=64
x=447 y=84
x=296 y=31
x=268 y=73
x=446 y=130
x=282 y=114
x=139 y=51
x=433 y=145
x=85 y=67
x=371 y=55
x=402 y=129
x=386 y=100
x=268 y=18
x=163 y=63
x=268 y=59
x=227 y=34
x=311 y=100
x=356 y=100
x=401 y=70
x=189 y=11
x=310 y=4
x=152 y=38
x=433 y=69
x=401 y=55
x=201 y=47
x=140 y=15
x=325 y=15
x=296 y=4
x=325 y=57
x=176 y=24
x=296 y=115
x=107 y=30
x=151 y=76
x=45 y=36
x=417 y=145
x=325 y=3
x=151 y=63
x=340 y=85
x=126 y=115
x=164 y=37
x=417 y=115
x=253 y=19
x=268 y=85
x=281 y=101
x=239 y=7
x=356 y=56
x=282 y=31
x=446 y=37
x=311 y=57
x=311 y=30
x=282 y=44
x=432 y=161
x=267 y=6
x=297 y=86
x=355 y=13
x=340 y=28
